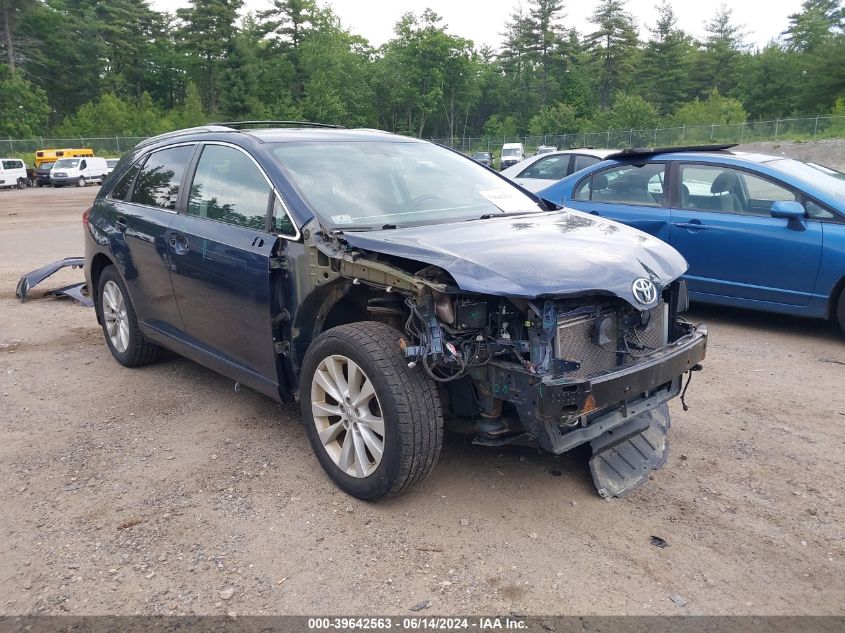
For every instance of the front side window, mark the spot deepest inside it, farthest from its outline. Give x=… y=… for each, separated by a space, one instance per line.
x=158 y=183
x=640 y=185
x=370 y=184
x=726 y=190
x=228 y=187
x=550 y=168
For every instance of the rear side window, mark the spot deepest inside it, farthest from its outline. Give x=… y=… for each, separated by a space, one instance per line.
x=228 y=187
x=12 y=164
x=640 y=185
x=121 y=189
x=158 y=183
x=582 y=162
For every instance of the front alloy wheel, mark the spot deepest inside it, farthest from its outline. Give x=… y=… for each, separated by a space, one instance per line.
x=375 y=424
x=347 y=415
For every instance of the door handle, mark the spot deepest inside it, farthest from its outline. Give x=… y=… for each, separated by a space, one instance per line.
x=258 y=242
x=692 y=226
x=121 y=224
x=179 y=243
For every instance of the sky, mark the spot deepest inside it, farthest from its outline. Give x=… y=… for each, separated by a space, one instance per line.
x=482 y=20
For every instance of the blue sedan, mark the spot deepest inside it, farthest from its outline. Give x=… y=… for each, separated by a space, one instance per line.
x=760 y=232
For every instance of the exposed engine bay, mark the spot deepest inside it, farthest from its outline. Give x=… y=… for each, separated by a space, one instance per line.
x=550 y=372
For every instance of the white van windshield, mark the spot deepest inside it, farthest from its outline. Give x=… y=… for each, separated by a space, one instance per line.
x=66 y=163
x=510 y=152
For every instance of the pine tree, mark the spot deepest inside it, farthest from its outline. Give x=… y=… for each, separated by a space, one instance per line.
x=665 y=65
x=722 y=53
x=544 y=37
x=613 y=47
x=207 y=32
x=817 y=21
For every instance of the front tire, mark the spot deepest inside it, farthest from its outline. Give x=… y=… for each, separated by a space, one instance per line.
x=120 y=324
x=81 y=182
x=376 y=425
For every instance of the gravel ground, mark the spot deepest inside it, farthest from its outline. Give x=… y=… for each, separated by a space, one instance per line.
x=162 y=490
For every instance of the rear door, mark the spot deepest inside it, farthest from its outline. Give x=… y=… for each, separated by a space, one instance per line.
x=722 y=225
x=221 y=249
x=628 y=193
x=140 y=208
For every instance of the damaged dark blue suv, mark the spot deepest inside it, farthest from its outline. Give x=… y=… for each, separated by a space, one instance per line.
x=392 y=287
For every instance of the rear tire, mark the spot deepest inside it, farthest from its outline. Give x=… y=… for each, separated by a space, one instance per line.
x=120 y=323
x=404 y=406
x=840 y=311
x=21 y=183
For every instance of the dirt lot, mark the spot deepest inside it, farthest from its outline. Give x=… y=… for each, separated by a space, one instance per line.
x=162 y=490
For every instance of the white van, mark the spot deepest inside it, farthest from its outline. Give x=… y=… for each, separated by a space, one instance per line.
x=12 y=173
x=512 y=153
x=78 y=171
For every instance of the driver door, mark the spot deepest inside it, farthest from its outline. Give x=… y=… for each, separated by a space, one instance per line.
x=722 y=225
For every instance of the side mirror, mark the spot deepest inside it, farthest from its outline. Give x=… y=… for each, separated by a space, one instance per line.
x=788 y=210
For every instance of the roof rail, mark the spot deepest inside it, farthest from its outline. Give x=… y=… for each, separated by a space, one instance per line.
x=640 y=151
x=191 y=130
x=239 y=125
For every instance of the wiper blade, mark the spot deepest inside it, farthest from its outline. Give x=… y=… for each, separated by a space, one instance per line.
x=490 y=216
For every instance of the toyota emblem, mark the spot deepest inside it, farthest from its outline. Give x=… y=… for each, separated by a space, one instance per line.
x=644 y=291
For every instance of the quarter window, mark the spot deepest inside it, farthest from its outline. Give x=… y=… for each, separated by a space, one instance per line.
x=726 y=190
x=640 y=185
x=121 y=189
x=158 y=183
x=228 y=187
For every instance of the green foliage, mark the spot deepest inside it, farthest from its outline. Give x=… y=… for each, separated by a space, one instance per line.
x=497 y=126
x=555 y=119
x=23 y=107
x=613 y=47
x=119 y=67
x=715 y=109
x=628 y=112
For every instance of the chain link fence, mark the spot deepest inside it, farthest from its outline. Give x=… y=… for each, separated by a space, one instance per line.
x=784 y=129
x=778 y=129
x=108 y=146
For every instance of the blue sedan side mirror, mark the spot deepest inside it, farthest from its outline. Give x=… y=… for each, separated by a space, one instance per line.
x=788 y=210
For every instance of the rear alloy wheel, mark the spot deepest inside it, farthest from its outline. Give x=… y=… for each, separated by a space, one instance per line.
x=375 y=425
x=120 y=324
x=840 y=310
x=81 y=182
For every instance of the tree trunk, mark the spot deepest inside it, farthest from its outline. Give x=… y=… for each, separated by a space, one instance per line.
x=7 y=36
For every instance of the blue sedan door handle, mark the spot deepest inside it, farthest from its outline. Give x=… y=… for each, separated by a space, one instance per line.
x=692 y=225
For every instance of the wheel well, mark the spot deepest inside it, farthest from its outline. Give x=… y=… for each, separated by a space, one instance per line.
x=833 y=299
x=99 y=263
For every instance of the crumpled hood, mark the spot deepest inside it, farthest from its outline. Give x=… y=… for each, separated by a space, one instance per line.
x=552 y=253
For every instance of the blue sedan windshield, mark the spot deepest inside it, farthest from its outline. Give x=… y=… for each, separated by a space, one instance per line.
x=359 y=185
x=823 y=178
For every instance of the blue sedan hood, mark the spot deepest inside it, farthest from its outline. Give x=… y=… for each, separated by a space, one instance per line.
x=560 y=253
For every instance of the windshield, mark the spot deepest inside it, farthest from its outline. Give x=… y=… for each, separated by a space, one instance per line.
x=45 y=166
x=481 y=155
x=510 y=152
x=66 y=163
x=373 y=184
x=828 y=180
